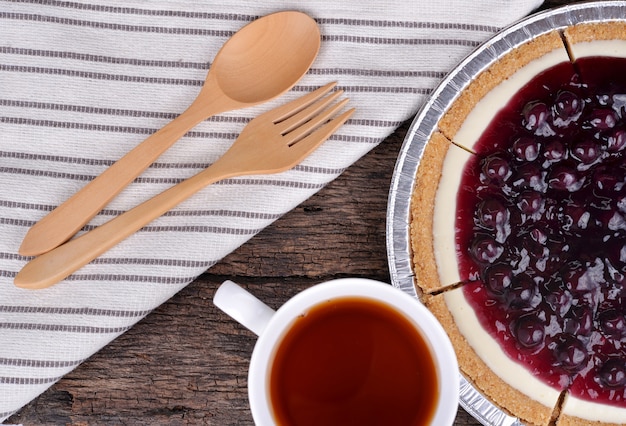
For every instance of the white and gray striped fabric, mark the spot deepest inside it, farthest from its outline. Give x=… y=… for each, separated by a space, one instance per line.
x=81 y=83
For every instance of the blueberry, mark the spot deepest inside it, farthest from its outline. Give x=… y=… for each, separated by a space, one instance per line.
x=572 y=273
x=612 y=374
x=535 y=118
x=492 y=213
x=568 y=106
x=529 y=331
x=529 y=175
x=586 y=151
x=579 y=320
x=575 y=218
x=534 y=242
x=564 y=178
x=602 y=119
x=569 y=352
x=486 y=250
x=612 y=323
x=523 y=293
x=538 y=235
x=557 y=298
x=495 y=169
x=555 y=151
x=616 y=222
x=607 y=179
x=498 y=278
x=529 y=202
x=526 y=149
x=616 y=142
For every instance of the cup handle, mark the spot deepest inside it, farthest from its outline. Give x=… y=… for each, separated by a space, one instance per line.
x=243 y=307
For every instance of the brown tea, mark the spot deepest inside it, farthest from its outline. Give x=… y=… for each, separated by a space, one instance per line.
x=353 y=361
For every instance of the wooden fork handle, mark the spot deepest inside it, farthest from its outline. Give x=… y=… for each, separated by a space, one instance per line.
x=69 y=217
x=55 y=265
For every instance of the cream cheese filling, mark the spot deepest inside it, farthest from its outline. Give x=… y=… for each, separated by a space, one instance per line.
x=614 y=48
x=444 y=214
x=593 y=411
x=487 y=348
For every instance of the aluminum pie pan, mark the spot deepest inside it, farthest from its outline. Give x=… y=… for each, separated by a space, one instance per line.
x=425 y=124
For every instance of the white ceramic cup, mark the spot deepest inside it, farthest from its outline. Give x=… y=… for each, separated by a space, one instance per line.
x=271 y=326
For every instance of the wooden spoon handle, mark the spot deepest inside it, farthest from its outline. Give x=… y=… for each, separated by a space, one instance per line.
x=57 y=264
x=68 y=218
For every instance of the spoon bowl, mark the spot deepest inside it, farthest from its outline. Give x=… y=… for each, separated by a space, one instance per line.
x=260 y=62
x=254 y=47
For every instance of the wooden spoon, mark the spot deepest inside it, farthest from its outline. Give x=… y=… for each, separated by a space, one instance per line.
x=261 y=61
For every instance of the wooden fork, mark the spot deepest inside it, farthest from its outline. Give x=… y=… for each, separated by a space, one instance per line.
x=273 y=142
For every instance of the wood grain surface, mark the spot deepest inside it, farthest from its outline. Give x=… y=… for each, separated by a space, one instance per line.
x=186 y=363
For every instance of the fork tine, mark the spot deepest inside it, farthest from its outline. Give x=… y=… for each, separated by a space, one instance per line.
x=306 y=128
x=305 y=146
x=284 y=111
x=306 y=113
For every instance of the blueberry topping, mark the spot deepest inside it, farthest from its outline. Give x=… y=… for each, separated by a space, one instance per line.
x=546 y=244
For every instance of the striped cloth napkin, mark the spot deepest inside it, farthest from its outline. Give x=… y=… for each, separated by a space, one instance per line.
x=82 y=83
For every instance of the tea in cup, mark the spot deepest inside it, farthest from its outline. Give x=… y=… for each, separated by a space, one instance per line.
x=348 y=351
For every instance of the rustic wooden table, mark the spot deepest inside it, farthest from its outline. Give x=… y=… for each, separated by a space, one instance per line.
x=187 y=362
